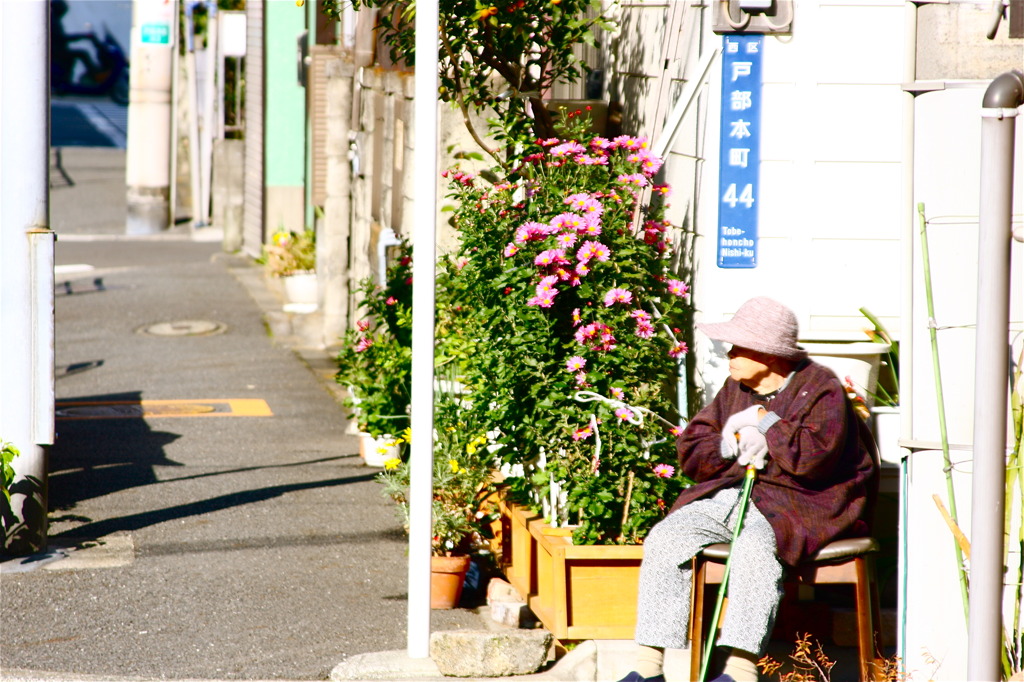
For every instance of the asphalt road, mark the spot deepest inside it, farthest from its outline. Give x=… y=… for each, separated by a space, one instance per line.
x=223 y=546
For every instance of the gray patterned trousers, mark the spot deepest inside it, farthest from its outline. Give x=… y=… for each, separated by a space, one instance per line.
x=755 y=574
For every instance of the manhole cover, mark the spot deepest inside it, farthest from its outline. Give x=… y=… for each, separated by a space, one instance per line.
x=184 y=328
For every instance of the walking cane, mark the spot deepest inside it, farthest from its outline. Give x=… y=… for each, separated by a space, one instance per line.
x=748 y=484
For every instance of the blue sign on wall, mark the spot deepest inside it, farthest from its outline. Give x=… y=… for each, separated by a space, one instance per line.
x=738 y=190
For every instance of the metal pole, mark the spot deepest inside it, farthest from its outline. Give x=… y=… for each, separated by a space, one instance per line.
x=1003 y=97
x=148 y=171
x=422 y=417
x=26 y=264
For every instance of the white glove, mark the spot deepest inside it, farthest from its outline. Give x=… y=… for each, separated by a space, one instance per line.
x=753 y=447
x=733 y=424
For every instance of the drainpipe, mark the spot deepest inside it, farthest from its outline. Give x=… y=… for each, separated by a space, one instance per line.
x=984 y=635
x=906 y=369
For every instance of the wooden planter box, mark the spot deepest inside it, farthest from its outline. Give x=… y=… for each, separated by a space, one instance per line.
x=577 y=591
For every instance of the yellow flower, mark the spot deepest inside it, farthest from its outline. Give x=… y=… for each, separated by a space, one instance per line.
x=407 y=435
x=475 y=444
x=392 y=464
x=454 y=464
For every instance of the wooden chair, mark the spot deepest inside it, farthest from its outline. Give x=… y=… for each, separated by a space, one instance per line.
x=849 y=562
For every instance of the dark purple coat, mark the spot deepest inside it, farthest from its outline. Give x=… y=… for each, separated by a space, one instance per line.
x=821 y=478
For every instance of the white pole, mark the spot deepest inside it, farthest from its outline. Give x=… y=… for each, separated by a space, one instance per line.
x=422 y=417
x=26 y=263
x=148 y=160
x=209 y=109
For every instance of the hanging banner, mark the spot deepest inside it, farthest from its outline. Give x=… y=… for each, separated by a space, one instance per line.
x=740 y=146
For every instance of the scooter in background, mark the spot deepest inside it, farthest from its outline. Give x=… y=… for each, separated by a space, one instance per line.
x=111 y=77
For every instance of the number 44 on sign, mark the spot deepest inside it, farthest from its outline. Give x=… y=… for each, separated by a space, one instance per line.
x=746 y=197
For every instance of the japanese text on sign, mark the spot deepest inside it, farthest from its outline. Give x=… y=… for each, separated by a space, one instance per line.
x=741 y=151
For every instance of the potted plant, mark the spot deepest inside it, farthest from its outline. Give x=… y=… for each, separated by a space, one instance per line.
x=461 y=511
x=563 y=283
x=7 y=454
x=291 y=256
x=375 y=361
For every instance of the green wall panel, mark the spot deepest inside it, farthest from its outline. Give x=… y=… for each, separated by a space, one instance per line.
x=285 y=145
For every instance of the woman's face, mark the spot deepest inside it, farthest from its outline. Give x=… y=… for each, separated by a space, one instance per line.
x=748 y=367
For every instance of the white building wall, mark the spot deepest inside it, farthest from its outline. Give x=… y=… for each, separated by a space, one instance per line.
x=947 y=181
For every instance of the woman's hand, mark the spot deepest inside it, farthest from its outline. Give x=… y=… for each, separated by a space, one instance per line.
x=745 y=418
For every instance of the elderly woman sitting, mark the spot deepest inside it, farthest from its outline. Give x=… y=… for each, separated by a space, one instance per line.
x=791 y=419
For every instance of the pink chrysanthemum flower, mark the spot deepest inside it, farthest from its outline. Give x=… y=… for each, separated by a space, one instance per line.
x=586 y=332
x=636 y=179
x=677 y=288
x=391 y=300
x=676 y=430
x=592 y=250
x=678 y=350
x=617 y=295
x=644 y=330
x=580 y=434
x=363 y=343
x=592 y=228
x=664 y=470
x=567 y=222
x=591 y=207
x=576 y=363
x=576 y=318
x=570 y=148
x=566 y=240
x=587 y=160
x=511 y=249
x=640 y=316
x=581 y=378
x=545 y=291
x=601 y=143
x=544 y=301
x=663 y=190
x=582 y=269
x=551 y=257
x=362 y=325
x=548 y=142
x=616 y=392
x=623 y=414
x=651 y=165
x=532 y=231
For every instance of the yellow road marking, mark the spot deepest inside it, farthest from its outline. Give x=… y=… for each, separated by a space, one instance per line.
x=240 y=407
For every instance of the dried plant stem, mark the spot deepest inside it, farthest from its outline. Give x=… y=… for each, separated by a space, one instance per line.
x=629 y=495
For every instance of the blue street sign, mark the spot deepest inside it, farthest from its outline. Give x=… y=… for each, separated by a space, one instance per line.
x=740 y=144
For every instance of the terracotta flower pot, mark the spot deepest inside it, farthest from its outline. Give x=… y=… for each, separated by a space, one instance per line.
x=447 y=574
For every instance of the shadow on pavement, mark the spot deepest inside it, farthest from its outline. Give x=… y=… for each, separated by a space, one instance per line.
x=95 y=457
